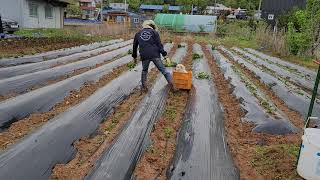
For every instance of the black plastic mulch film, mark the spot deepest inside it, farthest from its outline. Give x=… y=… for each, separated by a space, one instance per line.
x=295 y=97
x=54 y=54
x=21 y=83
x=120 y=159
x=43 y=99
x=293 y=75
x=33 y=67
x=286 y=65
x=202 y=152
x=34 y=156
x=274 y=123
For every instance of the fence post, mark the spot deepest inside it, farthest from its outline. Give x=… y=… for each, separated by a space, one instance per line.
x=314 y=95
x=1 y=27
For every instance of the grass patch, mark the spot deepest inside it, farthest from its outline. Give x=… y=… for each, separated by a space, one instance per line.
x=277 y=160
x=153 y=150
x=168 y=131
x=58 y=33
x=171 y=113
x=202 y=75
x=115 y=120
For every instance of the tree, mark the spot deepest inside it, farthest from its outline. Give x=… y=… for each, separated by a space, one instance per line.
x=165 y=8
x=187 y=4
x=74 y=11
x=134 y=4
x=313 y=15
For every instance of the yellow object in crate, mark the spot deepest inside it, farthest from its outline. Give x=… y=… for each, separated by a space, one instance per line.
x=182 y=80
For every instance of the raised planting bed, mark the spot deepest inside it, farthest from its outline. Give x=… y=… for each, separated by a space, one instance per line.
x=43 y=99
x=55 y=54
x=53 y=142
x=293 y=68
x=258 y=108
x=120 y=159
x=23 y=82
x=29 y=68
x=292 y=95
x=300 y=79
x=202 y=151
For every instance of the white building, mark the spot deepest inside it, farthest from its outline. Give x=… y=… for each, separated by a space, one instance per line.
x=217 y=9
x=119 y=6
x=34 y=13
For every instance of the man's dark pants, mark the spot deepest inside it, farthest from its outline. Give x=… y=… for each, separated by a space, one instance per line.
x=158 y=63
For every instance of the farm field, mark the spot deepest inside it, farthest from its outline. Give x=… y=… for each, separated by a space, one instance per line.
x=78 y=113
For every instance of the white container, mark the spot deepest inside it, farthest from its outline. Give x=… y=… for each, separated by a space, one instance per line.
x=309 y=162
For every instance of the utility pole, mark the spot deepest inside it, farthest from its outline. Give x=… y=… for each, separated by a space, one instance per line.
x=192 y=10
x=1 y=27
x=214 y=7
x=101 y=15
x=259 y=10
x=125 y=5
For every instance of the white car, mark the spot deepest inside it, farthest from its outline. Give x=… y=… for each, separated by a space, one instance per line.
x=231 y=16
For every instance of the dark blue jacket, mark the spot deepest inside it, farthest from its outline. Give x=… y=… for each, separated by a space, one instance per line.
x=150 y=46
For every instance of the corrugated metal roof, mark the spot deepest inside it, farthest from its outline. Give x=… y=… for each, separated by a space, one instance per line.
x=151 y=7
x=174 y=8
x=87 y=1
x=158 y=7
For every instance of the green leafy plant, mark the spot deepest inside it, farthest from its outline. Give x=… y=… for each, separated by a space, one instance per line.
x=171 y=64
x=171 y=112
x=131 y=65
x=196 y=56
x=202 y=75
x=130 y=51
x=168 y=132
x=202 y=28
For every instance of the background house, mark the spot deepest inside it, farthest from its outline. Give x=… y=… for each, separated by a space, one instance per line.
x=119 y=6
x=151 y=10
x=271 y=9
x=115 y=16
x=88 y=8
x=34 y=13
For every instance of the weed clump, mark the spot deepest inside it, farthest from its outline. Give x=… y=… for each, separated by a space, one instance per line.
x=196 y=56
x=131 y=65
x=202 y=75
x=130 y=51
x=168 y=132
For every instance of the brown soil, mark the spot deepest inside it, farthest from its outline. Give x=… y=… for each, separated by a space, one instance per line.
x=23 y=127
x=28 y=46
x=61 y=78
x=90 y=149
x=155 y=161
x=157 y=158
x=244 y=144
